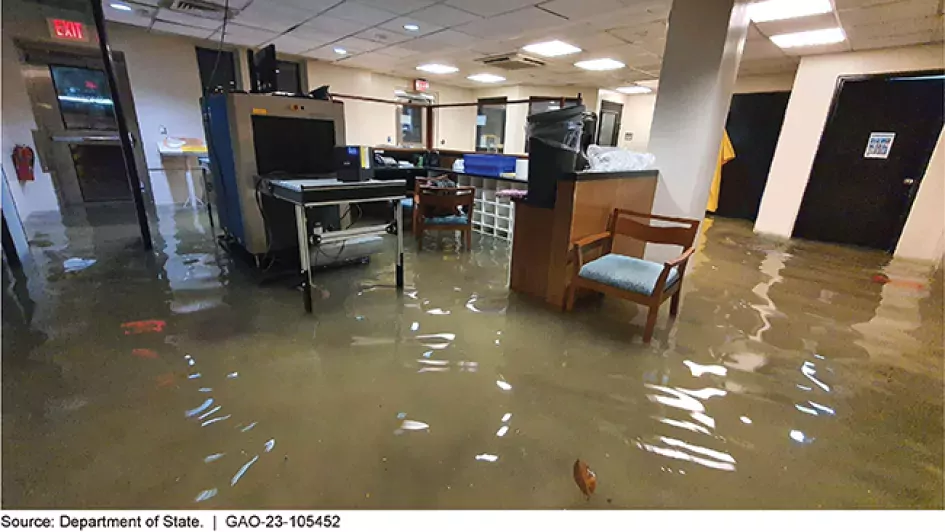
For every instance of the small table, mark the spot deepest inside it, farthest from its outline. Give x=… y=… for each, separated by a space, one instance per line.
x=186 y=148
x=305 y=193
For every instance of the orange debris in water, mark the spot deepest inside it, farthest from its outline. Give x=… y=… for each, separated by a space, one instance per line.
x=143 y=326
x=585 y=479
x=144 y=353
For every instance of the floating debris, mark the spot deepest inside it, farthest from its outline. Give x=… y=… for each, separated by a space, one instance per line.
x=585 y=479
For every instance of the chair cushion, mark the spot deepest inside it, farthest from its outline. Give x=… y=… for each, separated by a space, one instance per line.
x=447 y=220
x=627 y=273
x=407 y=203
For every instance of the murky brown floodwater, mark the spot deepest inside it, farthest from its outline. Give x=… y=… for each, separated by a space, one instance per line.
x=790 y=380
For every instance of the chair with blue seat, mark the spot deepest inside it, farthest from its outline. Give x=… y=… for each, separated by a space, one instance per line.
x=638 y=280
x=443 y=208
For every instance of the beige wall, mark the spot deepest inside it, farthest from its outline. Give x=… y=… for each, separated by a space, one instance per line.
x=923 y=237
x=804 y=123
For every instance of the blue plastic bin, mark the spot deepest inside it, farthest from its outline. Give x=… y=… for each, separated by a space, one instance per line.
x=488 y=164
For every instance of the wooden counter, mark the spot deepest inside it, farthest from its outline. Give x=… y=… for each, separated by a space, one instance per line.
x=584 y=202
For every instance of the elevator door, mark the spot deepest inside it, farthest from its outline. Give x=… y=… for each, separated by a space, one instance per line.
x=77 y=138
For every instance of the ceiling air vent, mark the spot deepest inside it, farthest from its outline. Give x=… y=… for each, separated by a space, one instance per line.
x=200 y=8
x=512 y=61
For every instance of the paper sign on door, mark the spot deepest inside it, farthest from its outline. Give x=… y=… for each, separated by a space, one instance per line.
x=879 y=145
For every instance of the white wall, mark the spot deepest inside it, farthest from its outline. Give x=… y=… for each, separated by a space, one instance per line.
x=804 y=122
x=636 y=119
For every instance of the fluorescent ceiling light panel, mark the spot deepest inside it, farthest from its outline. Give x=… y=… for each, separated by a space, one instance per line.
x=785 y=9
x=120 y=7
x=340 y=51
x=634 y=89
x=552 y=48
x=411 y=27
x=486 y=78
x=600 y=64
x=435 y=68
x=809 y=38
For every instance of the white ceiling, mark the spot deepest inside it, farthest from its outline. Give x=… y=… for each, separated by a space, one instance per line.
x=458 y=32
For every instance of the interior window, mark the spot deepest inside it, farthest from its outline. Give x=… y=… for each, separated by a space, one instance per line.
x=490 y=125
x=410 y=120
x=288 y=77
x=84 y=99
x=217 y=69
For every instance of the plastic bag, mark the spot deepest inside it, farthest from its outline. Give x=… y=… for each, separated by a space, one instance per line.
x=609 y=159
x=560 y=129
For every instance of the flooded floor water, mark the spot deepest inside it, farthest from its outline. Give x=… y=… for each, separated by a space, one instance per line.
x=791 y=379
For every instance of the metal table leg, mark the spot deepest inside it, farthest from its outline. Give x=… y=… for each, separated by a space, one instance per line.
x=400 y=245
x=304 y=257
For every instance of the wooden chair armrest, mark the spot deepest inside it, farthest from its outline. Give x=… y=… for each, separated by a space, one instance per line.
x=578 y=246
x=680 y=259
x=588 y=240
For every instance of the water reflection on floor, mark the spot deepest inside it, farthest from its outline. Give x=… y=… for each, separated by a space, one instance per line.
x=790 y=380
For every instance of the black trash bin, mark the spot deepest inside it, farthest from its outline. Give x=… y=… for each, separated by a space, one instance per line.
x=554 y=141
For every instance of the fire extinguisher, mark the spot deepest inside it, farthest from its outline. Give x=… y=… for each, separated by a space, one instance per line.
x=23 y=161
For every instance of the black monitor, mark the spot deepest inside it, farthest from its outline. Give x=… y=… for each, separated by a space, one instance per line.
x=299 y=146
x=266 y=68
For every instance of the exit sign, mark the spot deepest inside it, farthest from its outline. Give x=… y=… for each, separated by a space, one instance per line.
x=421 y=85
x=67 y=30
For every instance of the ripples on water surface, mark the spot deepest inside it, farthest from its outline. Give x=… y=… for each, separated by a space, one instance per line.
x=790 y=380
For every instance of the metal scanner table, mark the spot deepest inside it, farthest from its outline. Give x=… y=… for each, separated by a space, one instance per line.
x=305 y=193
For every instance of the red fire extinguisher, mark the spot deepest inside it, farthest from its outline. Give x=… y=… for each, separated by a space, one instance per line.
x=23 y=161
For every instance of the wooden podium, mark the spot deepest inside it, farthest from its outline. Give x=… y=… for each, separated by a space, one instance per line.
x=584 y=202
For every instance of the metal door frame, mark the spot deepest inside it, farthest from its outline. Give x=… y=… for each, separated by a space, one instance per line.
x=604 y=104
x=51 y=137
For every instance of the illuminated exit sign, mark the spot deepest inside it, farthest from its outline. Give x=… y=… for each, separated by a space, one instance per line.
x=67 y=30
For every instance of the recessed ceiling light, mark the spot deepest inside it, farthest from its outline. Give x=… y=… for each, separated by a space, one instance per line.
x=411 y=27
x=486 y=78
x=552 y=48
x=341 y=51
x=600 y=64
x=634 y=89
x=435 y=68
x=120 y=7
x=784 y=9
x=809 y=38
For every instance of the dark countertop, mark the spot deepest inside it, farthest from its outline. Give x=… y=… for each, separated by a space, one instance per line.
x=595 y=176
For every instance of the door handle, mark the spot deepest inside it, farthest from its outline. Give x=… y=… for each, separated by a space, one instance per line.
x=908 y=181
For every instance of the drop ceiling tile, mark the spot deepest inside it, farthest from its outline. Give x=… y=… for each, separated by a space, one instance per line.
x=400 y=7
x=641 y=33
x=577 y=10
x=590 y=39
x=141 y=16
x=631 y=16
x=817 y=50
x=198 y=22
x=361 y=13
x=397 y=26
x=444 y=16
x=355 y=45
x=397 y=52
x=325 y=53
x=761 y=49
x=331 y=26
x=381 y=36
x=852 y=4
x=897 y=40
x=894 y=27
x=441 y=40
x=234 y=4
x=629 y=54
x=311 y=6
x=294 y=45
x=179 y=29
x=513 y=24
x=244 y=35
x=269 y=15
x=488 y=8
x=890 y=11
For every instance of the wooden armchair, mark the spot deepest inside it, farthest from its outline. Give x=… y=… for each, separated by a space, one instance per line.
x=641 y=281
x=439 y=208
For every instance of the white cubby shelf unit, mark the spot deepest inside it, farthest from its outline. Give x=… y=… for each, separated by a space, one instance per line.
x=493 y=215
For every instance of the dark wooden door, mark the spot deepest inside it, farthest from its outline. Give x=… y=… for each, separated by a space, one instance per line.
x=608 y=125
x=753 y=126
x=861 y=198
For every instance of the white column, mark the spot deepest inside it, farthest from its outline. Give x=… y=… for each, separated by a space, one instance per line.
x=704 y=46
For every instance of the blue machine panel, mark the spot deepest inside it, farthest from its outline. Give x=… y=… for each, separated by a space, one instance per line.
x=223 y=165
